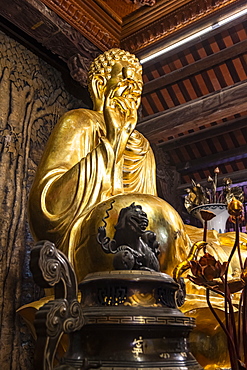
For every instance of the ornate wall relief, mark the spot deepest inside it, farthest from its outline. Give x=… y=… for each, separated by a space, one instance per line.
x=32 y=98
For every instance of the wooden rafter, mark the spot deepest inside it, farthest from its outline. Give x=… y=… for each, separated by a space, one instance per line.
x=195 y=68
x=207 y=133
x=212 y=107
x=212 y=160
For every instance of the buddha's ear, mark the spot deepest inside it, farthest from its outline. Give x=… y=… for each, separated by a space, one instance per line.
x=98 y=86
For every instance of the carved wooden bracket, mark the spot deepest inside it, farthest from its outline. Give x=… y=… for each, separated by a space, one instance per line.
x=79 y=66
x=51 y=268
x=89 y=19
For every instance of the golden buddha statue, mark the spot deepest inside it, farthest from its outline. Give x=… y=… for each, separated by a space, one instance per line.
x=94 y=157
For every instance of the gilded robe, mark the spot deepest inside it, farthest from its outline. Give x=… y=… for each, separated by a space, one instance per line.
x=78 y=171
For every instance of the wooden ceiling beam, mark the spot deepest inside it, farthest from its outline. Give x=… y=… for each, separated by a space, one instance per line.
x=142 y=32
x=207 y=133
x=145 y=16
x=195 y=68
x=212 y=160
x=202 y=111
x=98 y=26
x=47 y=28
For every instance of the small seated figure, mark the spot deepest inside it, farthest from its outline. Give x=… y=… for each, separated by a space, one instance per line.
x=93 y=157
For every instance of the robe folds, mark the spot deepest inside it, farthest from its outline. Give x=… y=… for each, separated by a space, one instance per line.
x=78 y=171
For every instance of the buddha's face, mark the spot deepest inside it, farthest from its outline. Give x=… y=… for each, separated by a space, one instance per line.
x=126 y=82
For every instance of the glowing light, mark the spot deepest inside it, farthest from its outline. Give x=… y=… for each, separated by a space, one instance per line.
x=194 y=36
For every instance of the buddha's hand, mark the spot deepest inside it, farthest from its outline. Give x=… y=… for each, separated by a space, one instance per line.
x=120 y=113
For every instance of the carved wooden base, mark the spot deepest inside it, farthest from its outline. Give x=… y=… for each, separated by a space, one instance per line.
x=130 y=318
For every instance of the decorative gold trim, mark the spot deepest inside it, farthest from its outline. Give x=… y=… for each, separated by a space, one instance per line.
x=103 y=27
x=117 y=9
x=147 y=16
x=171 y=22
x=143 y=320
x=90 y=20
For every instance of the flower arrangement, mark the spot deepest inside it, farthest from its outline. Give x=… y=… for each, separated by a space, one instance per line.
x=213 y=275
x=199 y=195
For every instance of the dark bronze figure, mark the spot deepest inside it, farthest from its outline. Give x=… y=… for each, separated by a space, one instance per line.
x=135 y=248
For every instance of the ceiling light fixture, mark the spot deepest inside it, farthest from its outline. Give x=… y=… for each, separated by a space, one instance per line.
x=194 y=36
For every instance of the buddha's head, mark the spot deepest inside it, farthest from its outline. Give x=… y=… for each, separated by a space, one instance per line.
x=119 y=70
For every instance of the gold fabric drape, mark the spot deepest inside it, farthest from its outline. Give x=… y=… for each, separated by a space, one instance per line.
x=78 y=171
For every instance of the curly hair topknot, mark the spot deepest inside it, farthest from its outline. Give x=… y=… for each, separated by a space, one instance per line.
x=104 y=62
